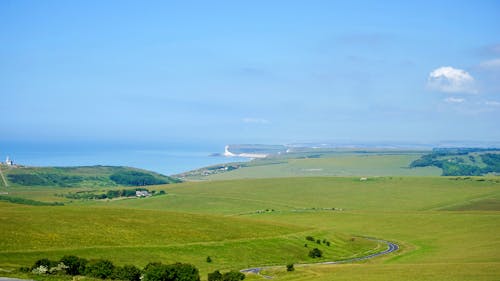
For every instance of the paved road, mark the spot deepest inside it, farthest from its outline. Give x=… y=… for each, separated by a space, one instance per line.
x=391 y=248
x=12 y=279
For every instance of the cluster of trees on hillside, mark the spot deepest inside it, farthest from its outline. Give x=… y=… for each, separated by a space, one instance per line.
x=46 y=179
x=452 y=163
x=105 y=269
x=73 y=177
x=135 y=178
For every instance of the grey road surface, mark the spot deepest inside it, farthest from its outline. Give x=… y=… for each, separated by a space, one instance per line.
x=392 y=247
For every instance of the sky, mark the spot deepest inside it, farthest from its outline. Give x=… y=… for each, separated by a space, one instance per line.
x=250 y=71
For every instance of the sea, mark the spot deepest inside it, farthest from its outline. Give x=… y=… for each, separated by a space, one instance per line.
x=165 y=158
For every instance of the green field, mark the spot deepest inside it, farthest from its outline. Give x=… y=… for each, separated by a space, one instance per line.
x=327 y=164
x=447 y=227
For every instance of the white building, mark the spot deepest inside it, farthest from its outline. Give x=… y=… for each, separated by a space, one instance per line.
x=8 y=162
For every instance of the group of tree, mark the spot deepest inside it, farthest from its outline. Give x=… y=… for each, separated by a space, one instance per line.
x=318 y=241
x=228 y=276
x=452 y=163
x=45 y=179
x=105 y=269
x=73 y=265
x=135 y=178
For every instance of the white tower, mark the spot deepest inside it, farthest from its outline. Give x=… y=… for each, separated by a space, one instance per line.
x=8 y=162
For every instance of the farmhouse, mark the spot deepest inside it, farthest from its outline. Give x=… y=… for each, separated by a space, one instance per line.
x=142 y=193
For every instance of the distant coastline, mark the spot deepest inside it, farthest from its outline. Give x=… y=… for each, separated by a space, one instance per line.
x=228 y=153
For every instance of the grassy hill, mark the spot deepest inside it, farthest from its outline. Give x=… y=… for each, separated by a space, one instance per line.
x=321 y=162
x=462 y=161
x=85 y=176
x=447 y=227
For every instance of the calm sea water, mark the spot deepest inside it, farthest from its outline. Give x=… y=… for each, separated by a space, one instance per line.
x=167 y=159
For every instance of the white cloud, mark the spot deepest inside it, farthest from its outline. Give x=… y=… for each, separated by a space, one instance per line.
x=454 y=100
x=252 y=120
x=490 y=64
x=451 y=80
x=492 y=103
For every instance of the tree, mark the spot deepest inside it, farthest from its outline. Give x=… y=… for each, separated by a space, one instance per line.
x=127 y=272
x=171 y=272
x=315 y=253
x=215 y=276
x=45 y=263
x=76 y=265
x=100 y=269
x=289 y=267
x=233 y=276
x=209 y=259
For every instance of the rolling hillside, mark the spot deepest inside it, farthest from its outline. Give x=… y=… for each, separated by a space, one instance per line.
x=85 y=176
x=446 y=227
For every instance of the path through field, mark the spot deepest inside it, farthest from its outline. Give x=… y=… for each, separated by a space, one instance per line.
x=4 y=180
x=392 y=247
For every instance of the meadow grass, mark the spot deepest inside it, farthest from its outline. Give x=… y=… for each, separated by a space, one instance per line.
x=337 y=165
x=446 y=227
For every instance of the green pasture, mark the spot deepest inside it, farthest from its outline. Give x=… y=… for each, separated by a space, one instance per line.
x=447 y=227
x=336 y=165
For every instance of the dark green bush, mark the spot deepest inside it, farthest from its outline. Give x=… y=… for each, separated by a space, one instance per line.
x=76 y=265
x=100 y=269
x=44 y=262
x=315 y=253
x=127 y=272
x=215 y=276
x=233 y=276
x=171 y=272
x=289 y=267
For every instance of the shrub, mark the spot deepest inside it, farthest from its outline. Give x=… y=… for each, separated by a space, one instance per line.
x=42 y=269
x=209 y=259
x=127 y=272
x=318 y=241
x=328 y=243
x=233 y=276
x=310 y=238
x=60 y=268
x=215 y=276
x=45 y=263
x=315 y=253
x=289 y=267
x=75 y=265
x=171 y=272
x=100 y=269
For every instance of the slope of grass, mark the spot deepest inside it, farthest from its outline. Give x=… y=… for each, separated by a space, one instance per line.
x=90 y=176
x=244 y=223
x=339 y=165
x=286 y=194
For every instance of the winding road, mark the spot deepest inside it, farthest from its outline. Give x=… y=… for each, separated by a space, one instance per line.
x=392 y=247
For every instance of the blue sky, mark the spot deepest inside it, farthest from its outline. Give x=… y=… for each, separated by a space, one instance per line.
x=250 y=71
